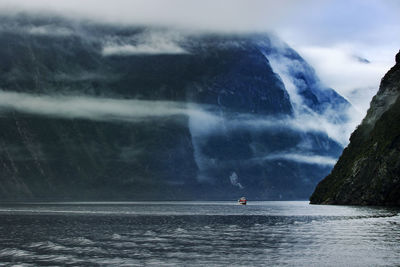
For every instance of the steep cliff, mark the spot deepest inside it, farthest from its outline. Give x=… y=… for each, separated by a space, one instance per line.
x=90 y=111
x=368 y=171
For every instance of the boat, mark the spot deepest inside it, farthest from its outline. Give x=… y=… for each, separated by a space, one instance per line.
x=242 y=201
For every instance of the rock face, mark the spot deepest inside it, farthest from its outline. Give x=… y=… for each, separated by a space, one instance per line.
x=368 y=171
x=230 y=134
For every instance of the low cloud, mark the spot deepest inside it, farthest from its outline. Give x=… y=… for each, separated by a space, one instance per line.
x=339 y=132
x=112 y=110
x=305 y=122
x=38 y=30
x=234 y=179
x=338 y=122
x=147 y=43
x=303 y=158
x=143 y=49
x=93 y=108
x=49 y=30
x=83 y=76
x=203 y=119
x=223 y=15
x=340 y=67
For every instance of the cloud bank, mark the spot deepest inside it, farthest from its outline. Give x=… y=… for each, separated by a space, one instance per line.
x=222 y=15
x=330 y=34
x=93 y=108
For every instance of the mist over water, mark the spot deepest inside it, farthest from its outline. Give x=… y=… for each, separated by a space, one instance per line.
x=198 y=234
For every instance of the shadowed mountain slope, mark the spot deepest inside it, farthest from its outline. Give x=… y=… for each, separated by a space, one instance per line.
x=368 y=172
x=104 y=112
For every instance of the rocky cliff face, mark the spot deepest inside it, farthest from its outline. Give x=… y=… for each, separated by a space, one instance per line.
x=92 y=111
x=368 y=171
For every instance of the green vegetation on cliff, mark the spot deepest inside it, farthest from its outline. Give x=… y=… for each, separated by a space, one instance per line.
x=368 y=171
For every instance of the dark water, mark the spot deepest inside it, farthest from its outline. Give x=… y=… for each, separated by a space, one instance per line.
x=198 y=234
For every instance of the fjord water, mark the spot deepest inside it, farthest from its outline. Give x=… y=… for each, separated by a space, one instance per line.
x=197 y=234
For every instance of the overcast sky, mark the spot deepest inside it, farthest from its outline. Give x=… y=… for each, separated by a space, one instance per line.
x=333 y=35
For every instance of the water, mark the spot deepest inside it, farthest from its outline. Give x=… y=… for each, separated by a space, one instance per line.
x=198 y=234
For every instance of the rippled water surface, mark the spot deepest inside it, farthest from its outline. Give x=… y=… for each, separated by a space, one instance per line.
x=198 y=234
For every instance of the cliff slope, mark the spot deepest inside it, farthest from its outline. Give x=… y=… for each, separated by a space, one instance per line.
x=368 y=172
x=98 y=112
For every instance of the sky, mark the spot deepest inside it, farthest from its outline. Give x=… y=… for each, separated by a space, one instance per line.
x=350 y=43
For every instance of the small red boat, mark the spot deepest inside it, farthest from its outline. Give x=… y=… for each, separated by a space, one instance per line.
x=242 y=201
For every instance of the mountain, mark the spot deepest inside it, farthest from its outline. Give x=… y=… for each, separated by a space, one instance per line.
x=103 y=112
x=368 y=171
